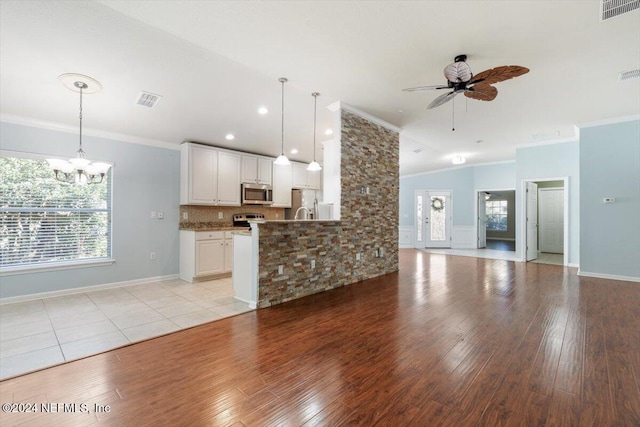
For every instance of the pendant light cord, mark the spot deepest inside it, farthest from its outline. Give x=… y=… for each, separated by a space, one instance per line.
x=282 y=133
x=80 y=118
x=315 y=116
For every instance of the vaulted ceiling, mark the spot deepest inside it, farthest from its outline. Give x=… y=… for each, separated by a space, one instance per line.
x=216 y=62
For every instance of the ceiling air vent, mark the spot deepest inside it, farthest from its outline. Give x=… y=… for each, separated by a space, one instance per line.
x=627 y=75
x=148 y=99
x=612 y=8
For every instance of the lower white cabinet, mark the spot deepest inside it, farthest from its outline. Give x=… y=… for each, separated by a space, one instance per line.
x=204 y=254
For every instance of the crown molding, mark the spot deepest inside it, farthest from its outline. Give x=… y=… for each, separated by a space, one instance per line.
x=42 y=124
x=337 y=106
x=610 y=121
x=465 y=166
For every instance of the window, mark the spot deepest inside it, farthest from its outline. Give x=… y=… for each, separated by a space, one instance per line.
x=45 y=223
x=497 y=211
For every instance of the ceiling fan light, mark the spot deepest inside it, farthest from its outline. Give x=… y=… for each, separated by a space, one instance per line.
x=458 y=72
x=314 y=166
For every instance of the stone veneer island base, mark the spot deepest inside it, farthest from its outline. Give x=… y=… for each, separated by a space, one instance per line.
x=284 y=260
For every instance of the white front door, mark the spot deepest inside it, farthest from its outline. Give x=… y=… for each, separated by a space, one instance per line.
x=482 y=220
x=437 y=219
x=551 y=204
x=532 y=221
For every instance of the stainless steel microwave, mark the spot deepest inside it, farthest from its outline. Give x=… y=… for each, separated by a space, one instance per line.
x=257 y=194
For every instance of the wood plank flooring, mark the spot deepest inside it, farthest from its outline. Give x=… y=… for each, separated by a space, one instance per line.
x=446 y=341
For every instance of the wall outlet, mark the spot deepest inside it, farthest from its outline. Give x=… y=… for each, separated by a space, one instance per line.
x=152 y=255
x=281 y=269
x=185 y=215
x=313 y=263
x=154 y=214
x=160 y=215
x=220 y=215
x=609 y=200
x=358 y=256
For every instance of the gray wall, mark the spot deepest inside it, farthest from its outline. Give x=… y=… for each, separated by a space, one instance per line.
x=610 y=167
x=552 y=161
x=145 y=179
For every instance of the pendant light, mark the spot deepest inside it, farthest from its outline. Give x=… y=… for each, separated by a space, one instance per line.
x=79 y=170
x=314 y=166
x=282 y=159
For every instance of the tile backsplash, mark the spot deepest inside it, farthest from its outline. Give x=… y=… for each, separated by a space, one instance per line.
x=210 y=214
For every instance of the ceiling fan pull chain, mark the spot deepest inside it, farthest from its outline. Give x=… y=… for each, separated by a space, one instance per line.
x=453 y=115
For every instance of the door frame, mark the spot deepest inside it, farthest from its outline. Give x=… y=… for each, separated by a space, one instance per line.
x=476 y=229
x=521 y=219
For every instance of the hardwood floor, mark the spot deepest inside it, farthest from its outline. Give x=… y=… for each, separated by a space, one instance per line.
x=450 y=341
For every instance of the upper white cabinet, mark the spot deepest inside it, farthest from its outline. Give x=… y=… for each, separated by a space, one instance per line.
x=281 y=186
x=209 y=176
x=228 y=179
x=256 y=170
x=304 y=179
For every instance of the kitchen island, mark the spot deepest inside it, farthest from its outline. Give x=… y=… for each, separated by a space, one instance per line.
x=284 y=260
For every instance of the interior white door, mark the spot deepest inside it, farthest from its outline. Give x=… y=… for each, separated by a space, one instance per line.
x=551 y=205
x=482 y=220
x=437 y=219
x=532 y=221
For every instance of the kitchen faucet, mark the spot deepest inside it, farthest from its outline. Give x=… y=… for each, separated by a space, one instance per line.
x=306 y=213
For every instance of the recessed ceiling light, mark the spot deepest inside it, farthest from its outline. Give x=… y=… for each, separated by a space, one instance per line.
x=229 y=137
x=263 y=110
x=458 y=160
x=294 y=151
x=400 y=110
x=479 y=141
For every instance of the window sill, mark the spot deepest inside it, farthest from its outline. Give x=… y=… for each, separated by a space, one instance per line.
x=44 y=267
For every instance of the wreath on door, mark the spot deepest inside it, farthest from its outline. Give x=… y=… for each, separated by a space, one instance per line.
x=437 y=204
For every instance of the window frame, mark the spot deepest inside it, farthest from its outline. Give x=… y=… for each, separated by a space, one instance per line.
x=66 y=264
x=505 y=215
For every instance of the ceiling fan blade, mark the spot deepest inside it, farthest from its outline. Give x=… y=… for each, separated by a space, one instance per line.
x=418 y=88
x=498 y=74
x=441 y=100
x=481 y=92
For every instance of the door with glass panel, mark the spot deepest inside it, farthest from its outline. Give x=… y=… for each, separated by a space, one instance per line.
x=433 y=219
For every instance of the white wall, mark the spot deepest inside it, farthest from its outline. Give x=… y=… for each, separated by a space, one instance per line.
x=145 y=179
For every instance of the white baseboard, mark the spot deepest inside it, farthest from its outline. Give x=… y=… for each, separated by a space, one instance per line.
x=61 y=292
x=573 y=265
x=608 y=276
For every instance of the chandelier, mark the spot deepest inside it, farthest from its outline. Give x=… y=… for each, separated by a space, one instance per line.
x=79 y=170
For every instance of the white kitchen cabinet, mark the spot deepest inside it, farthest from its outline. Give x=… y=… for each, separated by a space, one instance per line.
x=256 y=169
x=228 y=179
x=281 y=186
x=209 y=176
x=304 y=179
x=204 y=254
x=228 y=251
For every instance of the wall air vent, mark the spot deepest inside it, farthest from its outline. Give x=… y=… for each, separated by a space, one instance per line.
x=417 y=150
x=627 y=75
x=612 y=8
x=148 y=99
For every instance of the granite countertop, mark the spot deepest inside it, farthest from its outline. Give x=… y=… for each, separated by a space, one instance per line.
x=209 y=226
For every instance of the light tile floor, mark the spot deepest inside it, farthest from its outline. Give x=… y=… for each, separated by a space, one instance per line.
x=543 y=258
x=45 y=332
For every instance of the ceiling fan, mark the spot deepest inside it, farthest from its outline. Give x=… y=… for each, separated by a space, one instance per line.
x=461 y=80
